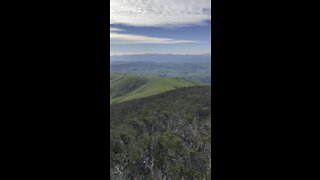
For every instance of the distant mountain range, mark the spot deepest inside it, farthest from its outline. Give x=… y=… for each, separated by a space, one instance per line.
x=196 y=68
x=161 y=58
x=128 y=87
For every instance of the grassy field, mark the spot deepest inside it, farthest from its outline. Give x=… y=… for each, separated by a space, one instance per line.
x=124 y=87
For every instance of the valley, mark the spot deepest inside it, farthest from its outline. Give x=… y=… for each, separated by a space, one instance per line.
x=196 y=68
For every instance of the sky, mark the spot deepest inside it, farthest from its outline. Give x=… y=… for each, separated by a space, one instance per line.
x=160 y=26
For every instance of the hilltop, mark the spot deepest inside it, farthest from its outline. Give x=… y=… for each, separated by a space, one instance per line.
x=128 y=87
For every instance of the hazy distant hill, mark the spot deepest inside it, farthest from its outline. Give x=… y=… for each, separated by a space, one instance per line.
x=165 y=136
x=127 y=87
x=196 y=68
x=162 y=58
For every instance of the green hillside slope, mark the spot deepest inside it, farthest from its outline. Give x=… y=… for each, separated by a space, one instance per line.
x=124 y=87
x=165 y=136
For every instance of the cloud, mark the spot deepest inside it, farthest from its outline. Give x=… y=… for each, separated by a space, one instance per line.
x=160 y=13
x=115 y=29
x=117 y=38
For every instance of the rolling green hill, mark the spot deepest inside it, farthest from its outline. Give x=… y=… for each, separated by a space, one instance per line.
x=165 y=136
x=128 y=87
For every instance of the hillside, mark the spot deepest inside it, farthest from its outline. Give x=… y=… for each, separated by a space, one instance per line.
x=165 y=136
x=125 y=87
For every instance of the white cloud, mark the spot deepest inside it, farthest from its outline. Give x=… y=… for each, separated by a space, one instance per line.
x=160 y=13
x=117 y=38
x=115 y=29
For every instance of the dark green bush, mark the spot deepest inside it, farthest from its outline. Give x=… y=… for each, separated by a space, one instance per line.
x=162 y=136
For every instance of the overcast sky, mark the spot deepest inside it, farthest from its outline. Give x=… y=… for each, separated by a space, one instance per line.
x=160 y=26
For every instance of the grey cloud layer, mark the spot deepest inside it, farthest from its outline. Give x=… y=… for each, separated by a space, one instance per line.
x=117 y=38
x=155 y=13
x=160 y=13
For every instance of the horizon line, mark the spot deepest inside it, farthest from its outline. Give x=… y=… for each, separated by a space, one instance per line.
x=158 y=54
